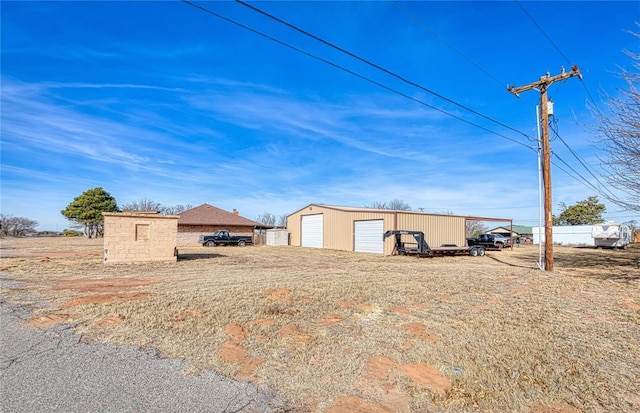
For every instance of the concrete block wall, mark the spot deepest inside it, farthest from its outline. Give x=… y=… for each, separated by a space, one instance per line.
x=139 y=237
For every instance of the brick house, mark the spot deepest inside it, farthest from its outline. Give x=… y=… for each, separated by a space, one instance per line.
x=206 y=219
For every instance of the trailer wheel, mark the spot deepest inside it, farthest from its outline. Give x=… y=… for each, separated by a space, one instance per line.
x=473 y=252
x=481 y=252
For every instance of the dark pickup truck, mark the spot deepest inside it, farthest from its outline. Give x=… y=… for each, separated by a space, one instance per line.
x=223 y=238
x=490 y=241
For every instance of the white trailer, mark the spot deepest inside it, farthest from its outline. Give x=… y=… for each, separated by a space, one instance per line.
x=611 y=235
x=566 y=235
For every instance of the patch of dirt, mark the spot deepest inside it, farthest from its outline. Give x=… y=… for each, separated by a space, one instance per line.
x=419 y=331
x=630 y=305
x=382 y=368
x=400 y=310
x=264 y=322
x=232 y=351
x=111 y=320
x=426 y=375
x=48 y=320
x=292 y=331
x=378 y=390
x=329 y=319
x=183 y=315
x=103 y=285
x=279 y=294
x=105 y=299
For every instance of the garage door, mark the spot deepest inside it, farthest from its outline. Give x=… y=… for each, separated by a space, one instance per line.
x=312 y=234
x=368 y=236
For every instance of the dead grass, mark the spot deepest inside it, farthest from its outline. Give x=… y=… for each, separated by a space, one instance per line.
x=337 y=331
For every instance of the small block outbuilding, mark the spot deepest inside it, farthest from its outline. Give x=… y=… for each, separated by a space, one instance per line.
x=139 y=237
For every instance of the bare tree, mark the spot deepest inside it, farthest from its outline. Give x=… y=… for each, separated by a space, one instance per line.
x=619 y=130
x=175 y=209
x=267 y=219
x=447 y=212
x=143 y=204
x=394 y=204
x=282 y=220
x=16 y=226
x=473 y=228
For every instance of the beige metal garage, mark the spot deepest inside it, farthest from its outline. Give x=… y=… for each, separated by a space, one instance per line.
x=361 y=229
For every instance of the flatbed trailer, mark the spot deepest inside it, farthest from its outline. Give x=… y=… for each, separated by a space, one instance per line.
x=420 y=247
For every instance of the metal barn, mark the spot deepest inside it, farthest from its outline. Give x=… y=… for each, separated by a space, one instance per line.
x=361 y=229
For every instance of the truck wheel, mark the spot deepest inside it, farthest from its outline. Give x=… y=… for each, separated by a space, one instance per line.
x=241 y=243
x=210 y=244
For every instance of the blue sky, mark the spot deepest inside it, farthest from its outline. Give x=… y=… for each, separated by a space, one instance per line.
x=163 y=101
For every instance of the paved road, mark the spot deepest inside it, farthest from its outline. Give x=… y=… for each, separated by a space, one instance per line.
x=51 y=370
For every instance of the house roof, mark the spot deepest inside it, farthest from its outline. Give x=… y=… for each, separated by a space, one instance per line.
x=206 y=214
x=518 y=229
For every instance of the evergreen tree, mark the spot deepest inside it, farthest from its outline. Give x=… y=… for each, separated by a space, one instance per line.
x=87 y=210
x=587 y=212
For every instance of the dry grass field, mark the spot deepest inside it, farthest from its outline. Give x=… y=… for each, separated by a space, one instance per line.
x=332 y=331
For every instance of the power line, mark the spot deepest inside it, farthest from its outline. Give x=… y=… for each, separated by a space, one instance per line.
x=450 y=46
x=559 y=51
x=337 y=66
x=610 y=196
x=544 y=33
x=554 y=126
x=580 y=178
x=445 y=42
x=376 y=66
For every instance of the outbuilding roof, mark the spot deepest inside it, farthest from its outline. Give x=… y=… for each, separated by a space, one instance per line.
x=206 y=214
x=391 y=211
x=518 y=229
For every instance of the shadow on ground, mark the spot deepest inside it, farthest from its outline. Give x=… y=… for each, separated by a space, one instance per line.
x=188 y=257
x=613 y=264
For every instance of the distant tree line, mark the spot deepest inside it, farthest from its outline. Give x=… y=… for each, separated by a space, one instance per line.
x=145 y=204
x=11 y=226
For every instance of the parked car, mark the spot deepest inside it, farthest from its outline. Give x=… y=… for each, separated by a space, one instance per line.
x=223 y=238
x=495 y=241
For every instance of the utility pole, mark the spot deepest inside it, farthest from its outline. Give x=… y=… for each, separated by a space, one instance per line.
x=542 y=85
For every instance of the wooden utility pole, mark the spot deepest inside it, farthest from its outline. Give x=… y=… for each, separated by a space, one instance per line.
x=542 y=85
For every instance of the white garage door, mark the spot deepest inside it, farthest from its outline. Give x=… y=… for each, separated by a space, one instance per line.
x=312 y=234
x=368 y=236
